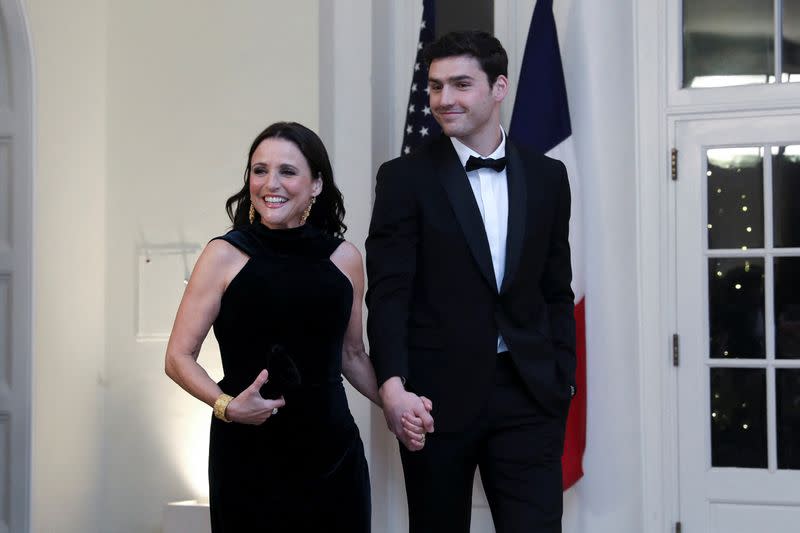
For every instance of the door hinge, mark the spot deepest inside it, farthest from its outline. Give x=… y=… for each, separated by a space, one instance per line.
x=678 y=527
x=676 y=353
x=674 y=163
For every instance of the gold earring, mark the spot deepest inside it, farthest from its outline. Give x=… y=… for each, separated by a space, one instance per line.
x=307 y=211
x=252 y=213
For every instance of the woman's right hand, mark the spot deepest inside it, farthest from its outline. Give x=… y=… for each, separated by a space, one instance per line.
x=249 y=407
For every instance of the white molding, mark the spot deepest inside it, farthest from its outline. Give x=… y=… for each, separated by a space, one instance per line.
x=22 y=91
x=505 y=29
x=762 y=98
x=384 y=117
x=394 y=42
x=655 y=242
x=383 y=73
x=406 y=17
x=186 y=516
x=702 y=112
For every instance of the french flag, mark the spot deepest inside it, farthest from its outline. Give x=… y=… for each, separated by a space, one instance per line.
x=540 y=120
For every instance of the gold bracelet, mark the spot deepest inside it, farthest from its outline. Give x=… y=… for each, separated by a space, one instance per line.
x=221 y=405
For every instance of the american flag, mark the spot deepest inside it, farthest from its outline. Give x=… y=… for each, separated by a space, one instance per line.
x=420 y=124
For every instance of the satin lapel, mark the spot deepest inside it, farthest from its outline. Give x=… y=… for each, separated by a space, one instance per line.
x=517 y=207
x=455 y=182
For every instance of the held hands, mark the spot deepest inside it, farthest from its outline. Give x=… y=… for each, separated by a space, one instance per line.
x=249 y=407
x=407 y=415
x=414 y=428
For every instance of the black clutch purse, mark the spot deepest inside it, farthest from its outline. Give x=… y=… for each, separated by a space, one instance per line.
x=283 y=373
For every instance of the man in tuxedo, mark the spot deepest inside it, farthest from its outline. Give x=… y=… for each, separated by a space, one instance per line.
x=470 y=303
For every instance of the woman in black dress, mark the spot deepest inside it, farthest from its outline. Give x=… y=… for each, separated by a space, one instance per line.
x=283 y=292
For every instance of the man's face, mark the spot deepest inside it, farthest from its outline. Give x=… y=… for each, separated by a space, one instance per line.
x=461 y=99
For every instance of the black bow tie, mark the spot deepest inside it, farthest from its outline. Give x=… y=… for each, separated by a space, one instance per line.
x=474 y=163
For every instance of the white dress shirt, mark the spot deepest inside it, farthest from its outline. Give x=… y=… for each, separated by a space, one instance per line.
x=491 y=193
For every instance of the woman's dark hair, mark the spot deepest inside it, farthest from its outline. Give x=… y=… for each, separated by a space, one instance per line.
x=482 y=46
x=328 y=211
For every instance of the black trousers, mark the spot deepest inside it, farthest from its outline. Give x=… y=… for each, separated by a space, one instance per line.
x=517 y=447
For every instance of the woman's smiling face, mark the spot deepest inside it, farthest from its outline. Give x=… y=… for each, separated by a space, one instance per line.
x=281 y=184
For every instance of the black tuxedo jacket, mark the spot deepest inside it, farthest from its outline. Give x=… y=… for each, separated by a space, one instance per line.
x=434 y=308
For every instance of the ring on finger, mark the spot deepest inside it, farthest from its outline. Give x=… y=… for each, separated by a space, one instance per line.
x=274 y=410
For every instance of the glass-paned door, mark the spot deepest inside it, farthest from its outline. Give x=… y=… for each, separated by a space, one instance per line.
x=737 y=227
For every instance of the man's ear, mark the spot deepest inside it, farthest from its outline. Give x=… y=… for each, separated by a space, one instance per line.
x=500 y=88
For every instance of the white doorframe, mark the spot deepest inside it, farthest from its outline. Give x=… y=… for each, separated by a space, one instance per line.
x=16 y=131
x=656 y=277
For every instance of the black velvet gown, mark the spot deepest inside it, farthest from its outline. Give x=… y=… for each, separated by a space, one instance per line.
x=303 y=469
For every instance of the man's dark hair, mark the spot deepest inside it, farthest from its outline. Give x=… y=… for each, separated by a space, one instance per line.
x=482 y=46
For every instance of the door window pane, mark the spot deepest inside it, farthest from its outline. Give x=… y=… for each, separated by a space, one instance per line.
x=738 y=415
x=728 y=43
x=736 y=307
x=787 y=307
x=787 y=388
x=735 y=197
x=791 y=40
x=786 y=195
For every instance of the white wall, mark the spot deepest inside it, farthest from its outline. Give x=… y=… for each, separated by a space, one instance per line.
x=69 y=261
x=191 y=83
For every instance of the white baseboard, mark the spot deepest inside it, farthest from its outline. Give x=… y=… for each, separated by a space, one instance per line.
x=189 y=516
